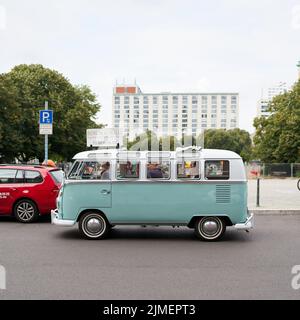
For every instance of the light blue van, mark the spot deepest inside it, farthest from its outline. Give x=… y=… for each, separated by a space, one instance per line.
x=201 y=189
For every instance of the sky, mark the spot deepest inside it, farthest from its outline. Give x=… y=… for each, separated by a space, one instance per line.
x=165 y=45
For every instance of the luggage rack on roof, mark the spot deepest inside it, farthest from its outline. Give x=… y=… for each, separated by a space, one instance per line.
x=23 y=165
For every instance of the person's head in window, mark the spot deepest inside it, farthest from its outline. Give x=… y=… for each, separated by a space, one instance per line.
x=105 y=174
x=154 y=171
x=128 y=168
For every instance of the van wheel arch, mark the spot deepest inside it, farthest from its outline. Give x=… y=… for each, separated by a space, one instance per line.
x=95 y=211
x=193 y=221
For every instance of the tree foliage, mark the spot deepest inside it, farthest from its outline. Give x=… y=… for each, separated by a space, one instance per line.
x=23 y=92
x=277 y=137
x=235 y=140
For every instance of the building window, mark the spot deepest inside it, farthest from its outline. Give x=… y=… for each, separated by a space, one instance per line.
x=234 y=100
x=224 y=100
x=126 y=100
x=185 y=99
x=155 y=100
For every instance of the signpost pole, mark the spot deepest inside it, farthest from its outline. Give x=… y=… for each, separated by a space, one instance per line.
x=46 y=138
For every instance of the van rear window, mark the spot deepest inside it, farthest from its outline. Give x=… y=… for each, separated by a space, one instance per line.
x=217 y=170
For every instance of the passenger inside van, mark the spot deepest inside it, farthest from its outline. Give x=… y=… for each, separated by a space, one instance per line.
x=154 y=171
x=105 y=173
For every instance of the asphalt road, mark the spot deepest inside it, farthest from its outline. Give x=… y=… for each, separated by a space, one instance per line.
x=48 y=262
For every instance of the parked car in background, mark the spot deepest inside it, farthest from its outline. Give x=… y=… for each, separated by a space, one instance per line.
x=26 y=192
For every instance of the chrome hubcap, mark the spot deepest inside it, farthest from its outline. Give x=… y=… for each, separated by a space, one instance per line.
x=25 y=211
x=210 y=227
x=94 y=225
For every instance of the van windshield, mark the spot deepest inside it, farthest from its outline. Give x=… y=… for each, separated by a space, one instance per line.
x=88 y=170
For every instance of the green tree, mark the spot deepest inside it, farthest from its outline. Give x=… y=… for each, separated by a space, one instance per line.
x=277 y=137
x=236 y=140
x=10 y=120
x=75 y=108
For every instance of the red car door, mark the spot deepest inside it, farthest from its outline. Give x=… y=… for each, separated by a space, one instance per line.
x=10 y=182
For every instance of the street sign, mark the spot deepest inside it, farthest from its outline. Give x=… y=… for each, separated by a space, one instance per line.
x=46 y=122
x=46 y=117
x=104 y=138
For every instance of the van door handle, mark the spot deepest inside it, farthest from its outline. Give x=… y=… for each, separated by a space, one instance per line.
x=105 y=191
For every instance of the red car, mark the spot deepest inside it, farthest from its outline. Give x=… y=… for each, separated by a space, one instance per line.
x=28 y=191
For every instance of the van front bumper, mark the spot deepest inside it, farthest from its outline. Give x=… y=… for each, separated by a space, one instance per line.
x=60 y=222
x=249 y=224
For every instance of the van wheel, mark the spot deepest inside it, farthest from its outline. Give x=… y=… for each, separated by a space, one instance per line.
x=26 y=211
x=210 y=228
x=93 y=226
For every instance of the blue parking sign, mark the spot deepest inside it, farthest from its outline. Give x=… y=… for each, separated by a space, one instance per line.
x=46 y=117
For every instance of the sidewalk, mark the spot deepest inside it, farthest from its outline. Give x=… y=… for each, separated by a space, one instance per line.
x=279 y=196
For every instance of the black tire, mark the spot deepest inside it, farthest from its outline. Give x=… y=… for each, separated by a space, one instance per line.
x=26 y=211
x=298 y=184
x=98 y=229
x=210 y=228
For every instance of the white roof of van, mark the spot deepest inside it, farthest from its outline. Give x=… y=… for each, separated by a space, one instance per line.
x=112 y=153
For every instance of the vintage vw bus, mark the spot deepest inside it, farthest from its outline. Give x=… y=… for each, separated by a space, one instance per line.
x=201 y=189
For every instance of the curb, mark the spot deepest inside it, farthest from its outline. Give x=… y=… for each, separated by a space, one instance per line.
x=275 y=211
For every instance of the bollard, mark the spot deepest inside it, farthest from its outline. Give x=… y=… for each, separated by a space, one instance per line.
x=258 y=193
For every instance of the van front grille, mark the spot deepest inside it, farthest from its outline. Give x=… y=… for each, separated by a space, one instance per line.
x=223 y=193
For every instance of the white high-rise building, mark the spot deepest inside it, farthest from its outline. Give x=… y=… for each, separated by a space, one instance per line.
x=280 y=88
x=172 y=113
x=263 y=104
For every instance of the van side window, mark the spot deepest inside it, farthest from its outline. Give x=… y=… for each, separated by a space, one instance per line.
x=128 y=169
x=33 y=177
x=7 y=176
x=188 y=170
x=217 y=170
x=73 y=172
x=99 y=170
x=158 y=169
